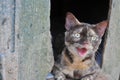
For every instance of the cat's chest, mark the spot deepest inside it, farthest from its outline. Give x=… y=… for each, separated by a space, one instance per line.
x=77 y=64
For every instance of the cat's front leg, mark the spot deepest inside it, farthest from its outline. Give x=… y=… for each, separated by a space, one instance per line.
x=88 y=78
x=60 y=76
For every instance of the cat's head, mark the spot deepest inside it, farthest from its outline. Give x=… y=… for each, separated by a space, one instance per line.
x=83 y=39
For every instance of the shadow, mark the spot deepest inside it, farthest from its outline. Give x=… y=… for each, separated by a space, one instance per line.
x=88 y=11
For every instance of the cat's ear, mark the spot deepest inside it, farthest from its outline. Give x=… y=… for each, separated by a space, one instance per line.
x=71 y=21
x=101 y=27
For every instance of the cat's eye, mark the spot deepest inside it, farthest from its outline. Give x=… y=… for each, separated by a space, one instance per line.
x=94 y=38
x=77 y=35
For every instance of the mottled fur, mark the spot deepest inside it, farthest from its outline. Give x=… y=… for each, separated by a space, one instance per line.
x=78 y=56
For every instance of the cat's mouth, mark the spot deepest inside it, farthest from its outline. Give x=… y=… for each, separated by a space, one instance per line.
x=82 y=51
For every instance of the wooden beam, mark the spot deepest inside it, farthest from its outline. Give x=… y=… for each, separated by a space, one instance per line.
x=111 y=63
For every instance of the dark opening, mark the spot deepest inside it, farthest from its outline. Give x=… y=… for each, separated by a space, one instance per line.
x=89 y=11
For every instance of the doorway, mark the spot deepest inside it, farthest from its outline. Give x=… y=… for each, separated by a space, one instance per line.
x=88 y=11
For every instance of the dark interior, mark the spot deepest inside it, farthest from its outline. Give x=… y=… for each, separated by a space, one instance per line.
x=89 y=11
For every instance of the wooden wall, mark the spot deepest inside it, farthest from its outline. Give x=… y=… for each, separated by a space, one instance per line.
x=111 y=64
x=25 y=41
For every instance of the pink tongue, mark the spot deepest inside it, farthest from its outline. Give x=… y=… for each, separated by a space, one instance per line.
x=82 y=51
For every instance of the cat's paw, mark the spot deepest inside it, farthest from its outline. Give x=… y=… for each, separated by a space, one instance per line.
x=61 y=78
x=88 y=78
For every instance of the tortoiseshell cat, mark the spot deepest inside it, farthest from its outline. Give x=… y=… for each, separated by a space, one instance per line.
x=77 y=60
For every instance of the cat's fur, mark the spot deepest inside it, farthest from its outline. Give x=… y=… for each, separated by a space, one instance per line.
x=77 y=60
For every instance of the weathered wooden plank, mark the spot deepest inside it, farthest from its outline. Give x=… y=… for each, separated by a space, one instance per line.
x=8 y=57
x=33 y=39
x=2 y=61
x=112 y=51
x=25 y=39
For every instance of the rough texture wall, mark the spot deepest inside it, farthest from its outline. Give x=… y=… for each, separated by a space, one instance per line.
x=25 y=41
x=112 y=51
x=8 y=56
x=35 y=51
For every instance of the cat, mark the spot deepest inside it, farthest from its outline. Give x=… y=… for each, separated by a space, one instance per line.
x=77 y=61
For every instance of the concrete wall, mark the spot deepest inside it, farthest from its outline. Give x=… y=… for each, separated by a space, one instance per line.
x=112 y=51
x=25 y=41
